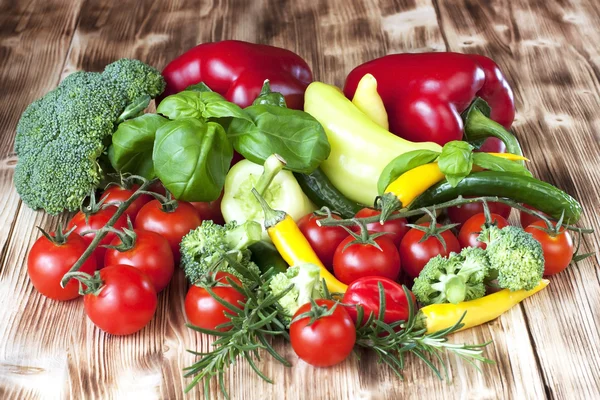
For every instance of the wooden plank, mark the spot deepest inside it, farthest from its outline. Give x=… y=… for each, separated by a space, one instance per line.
x=549 y=51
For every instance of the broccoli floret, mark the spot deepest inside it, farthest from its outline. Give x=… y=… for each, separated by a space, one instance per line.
x=460 y=277
x=202 y=249
x=306 y=279
x=516 y=258
x=61 y=136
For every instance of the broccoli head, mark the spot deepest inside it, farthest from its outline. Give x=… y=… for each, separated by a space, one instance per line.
x=460 y=277
x=306 y=281
x=516 y=258
x=202 y=249
x=61 y=136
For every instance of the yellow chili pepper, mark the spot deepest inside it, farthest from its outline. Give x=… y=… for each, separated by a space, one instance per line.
x=476 y=312
x=367 y=99
x=292 y=245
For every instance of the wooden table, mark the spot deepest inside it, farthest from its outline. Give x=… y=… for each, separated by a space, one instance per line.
x=547 y=347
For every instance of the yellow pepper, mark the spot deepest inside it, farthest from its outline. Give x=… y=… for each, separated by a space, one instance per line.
x=292 y=245
x=367 y=99
x=476 y=312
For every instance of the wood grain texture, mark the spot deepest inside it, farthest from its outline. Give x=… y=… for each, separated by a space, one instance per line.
x=546 y=348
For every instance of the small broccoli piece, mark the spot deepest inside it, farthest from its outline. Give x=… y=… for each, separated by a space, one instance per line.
x=61 y=136
x=460 y=277
x=306 y=279
x=516 y=258
x=202 y=249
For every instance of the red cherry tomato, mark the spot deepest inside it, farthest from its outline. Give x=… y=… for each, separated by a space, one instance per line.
x=460 y=214
x=327 y=341
x=396 y=227
x=48 y=262
x=116 y=195
x=204 y=311
x=95 y=222
x=172 y=225
x=467 y=237
x=527 y=219
x=365 y=292
x=359 y=260
x=558 y=249
x=493 y=145
x=210 y=211
x=125 y=303
x=323 y=239
x=415 y=254
x=151 y=254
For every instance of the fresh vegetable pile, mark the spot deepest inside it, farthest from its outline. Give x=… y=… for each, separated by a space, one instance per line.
x=375 y=217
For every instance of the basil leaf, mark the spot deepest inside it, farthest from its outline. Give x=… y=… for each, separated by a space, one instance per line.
x=199 y=87
x=456 y=161
x=201 y=105
x=295 y=135
x=132 y=144
x=493 y=163
x=191 y=158
x=401 y=164
x=222 y=109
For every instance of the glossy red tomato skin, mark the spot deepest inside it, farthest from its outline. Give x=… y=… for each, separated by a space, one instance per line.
x=115 y=195
x=328 y=341
x=360 y=260
x=396 y=227
x=172 y=225
x=204 y=311
x=415 y=255
x=493 y=145
x=469 y=232
x=95 y=222
x=365 y=292
x=210 y=211
x=324 y=240
x=151 y=254
x=125 y=303
x=460 y=214
x=527 y=219
x=47 y=263
x=558 y=250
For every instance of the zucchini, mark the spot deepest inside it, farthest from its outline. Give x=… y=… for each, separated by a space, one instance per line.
x=266 y=256
x=522 y=189
x=319 y=189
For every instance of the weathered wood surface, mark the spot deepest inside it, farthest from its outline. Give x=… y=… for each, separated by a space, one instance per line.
x=546 y=348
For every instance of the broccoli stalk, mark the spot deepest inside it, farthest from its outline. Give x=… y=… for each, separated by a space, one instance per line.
x=203 y=248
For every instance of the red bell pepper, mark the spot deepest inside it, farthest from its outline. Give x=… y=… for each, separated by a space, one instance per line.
x=425 y=93
x=237 y=70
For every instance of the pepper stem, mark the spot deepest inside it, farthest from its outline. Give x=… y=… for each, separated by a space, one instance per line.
x=272 y=217
x=272 y=166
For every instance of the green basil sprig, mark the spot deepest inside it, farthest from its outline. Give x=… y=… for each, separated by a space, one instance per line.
x=200 y=104
x=456 y=161
x=403 y=163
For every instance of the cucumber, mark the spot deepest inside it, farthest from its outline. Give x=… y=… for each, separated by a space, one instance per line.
x=319 y=189
x=266 y=256
x=522 y=189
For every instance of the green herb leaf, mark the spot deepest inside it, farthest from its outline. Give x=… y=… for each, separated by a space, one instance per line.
x=403 y=163
x=199 y=87
x=493 y=163
x=294 y=135
x=456 y=161
x=191 y=158
x=203 y=105
x=132 y=144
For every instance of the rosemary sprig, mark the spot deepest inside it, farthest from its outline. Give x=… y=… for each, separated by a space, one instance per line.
x=391 y=342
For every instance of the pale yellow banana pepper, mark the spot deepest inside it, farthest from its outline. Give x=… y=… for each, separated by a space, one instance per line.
x=476 y=312
x=368 y=100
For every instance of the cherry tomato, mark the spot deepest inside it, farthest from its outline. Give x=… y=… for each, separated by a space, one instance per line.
x=125 y=302
x=558 y=249
x=396 y=227
x=151 y=254
x=469 y=232
x=116 y=195
x=94 y=222
x=415 y=254
x=527 y=219
x=323 y=239
x=210 y=211
x=172 y=225
x=493 y=145
x=460 y=214
x=365 y=292
x=327 y=341
x=204 y=311
x=48 y=262
x=362 y=259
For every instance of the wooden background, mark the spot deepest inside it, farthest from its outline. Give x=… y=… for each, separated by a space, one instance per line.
x=549 y=347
